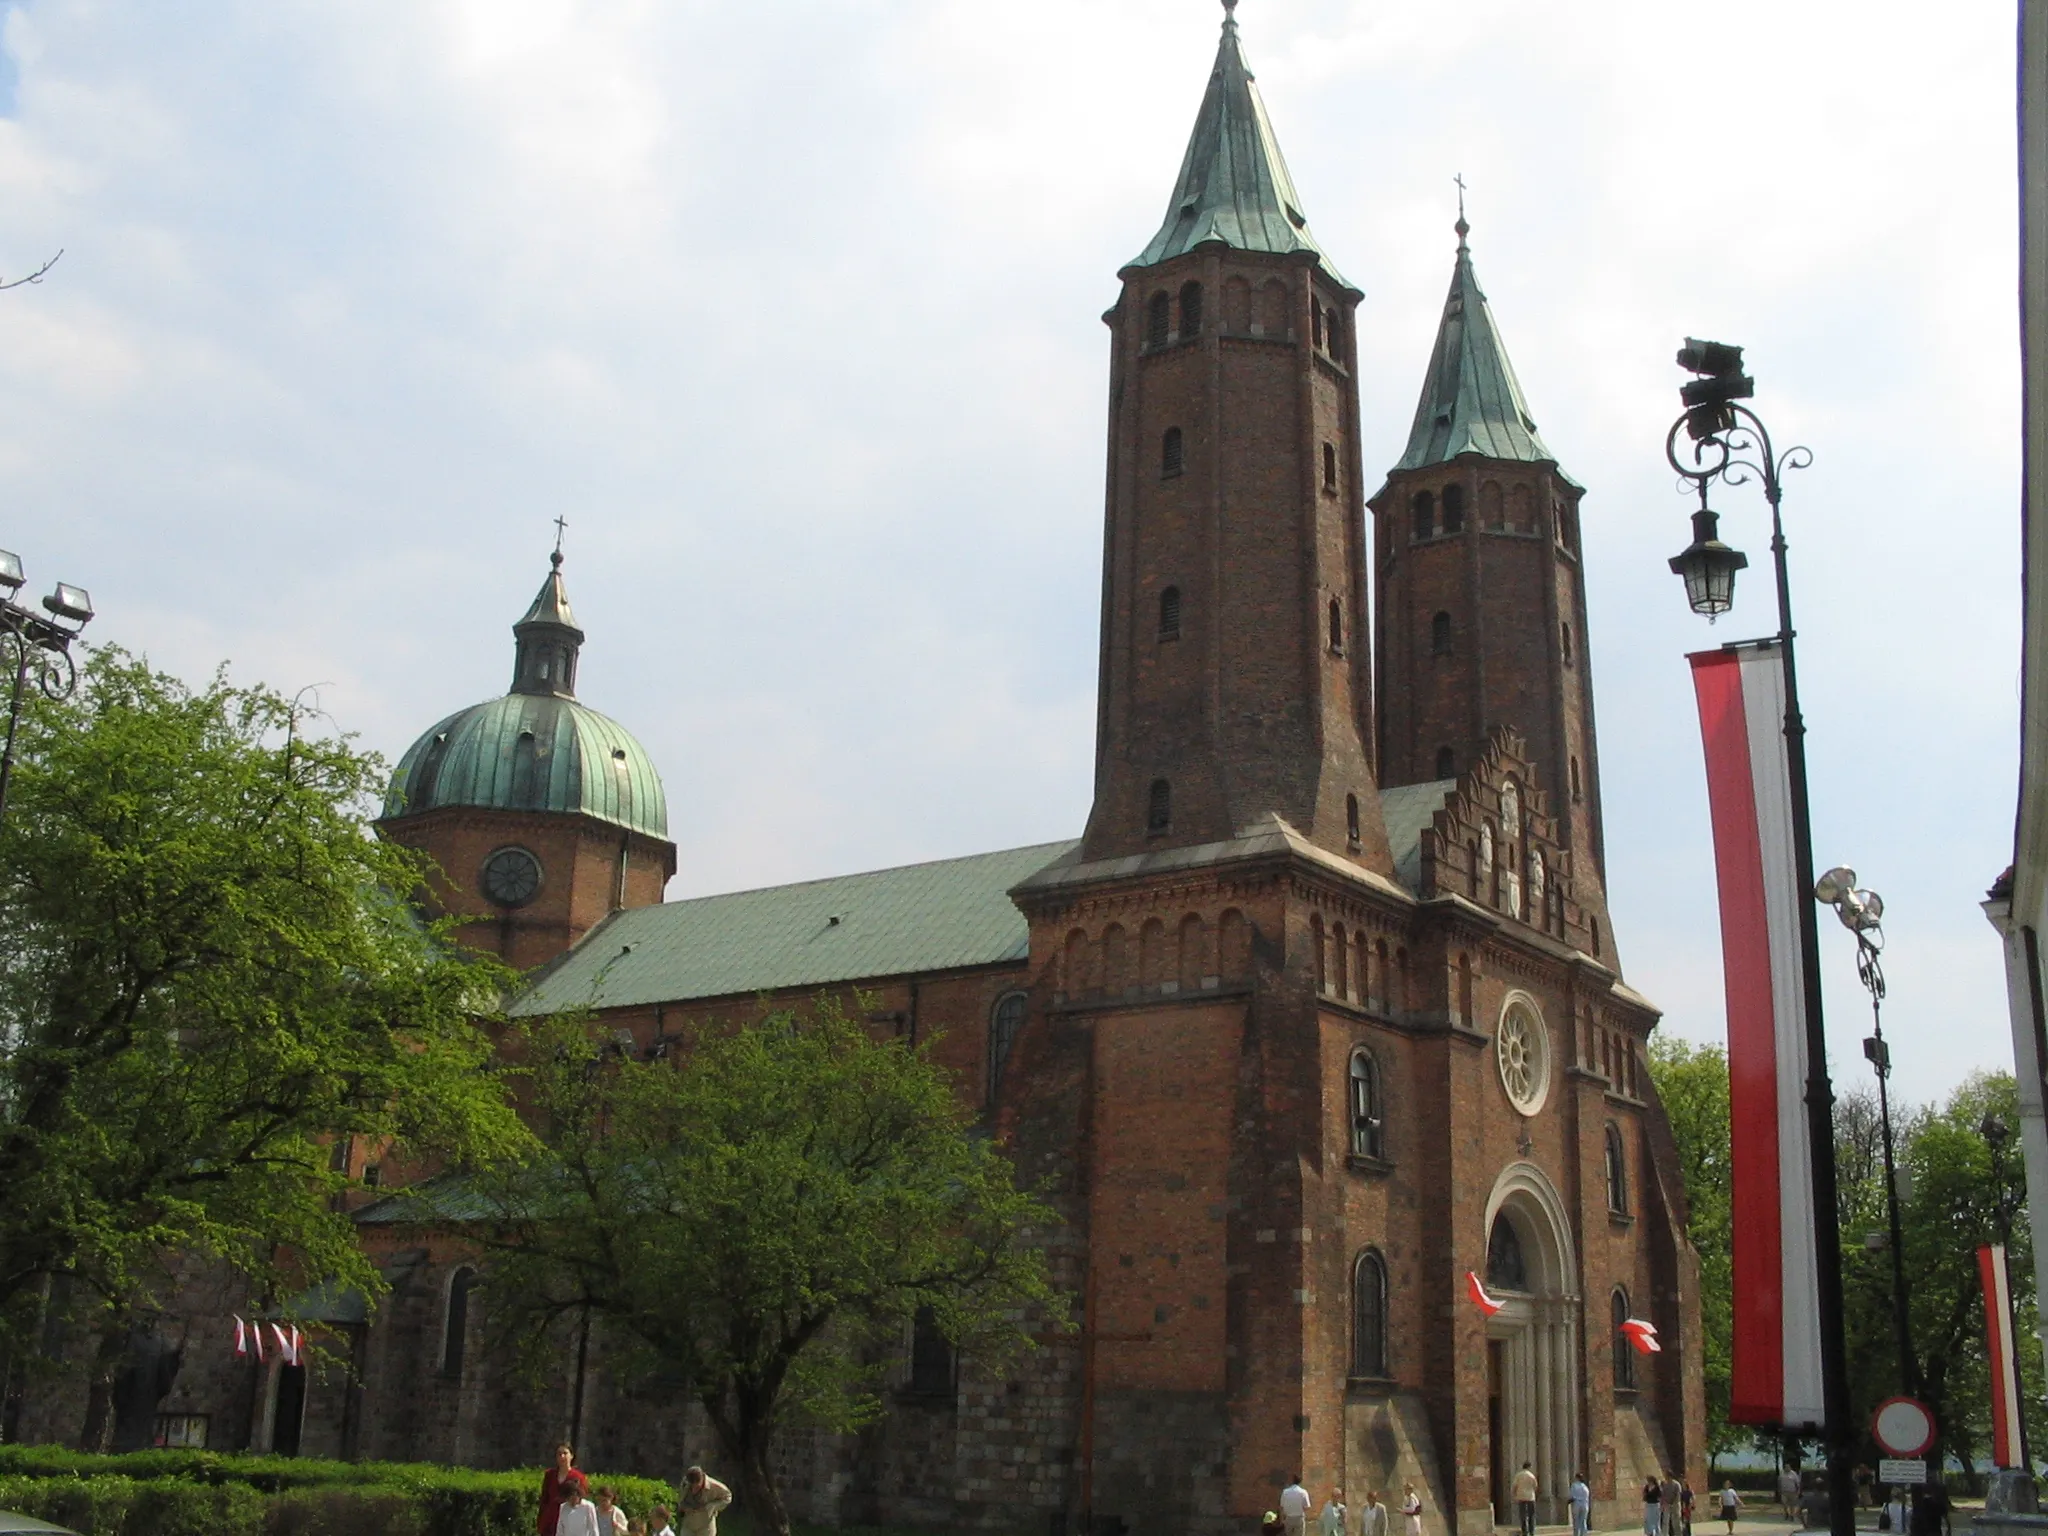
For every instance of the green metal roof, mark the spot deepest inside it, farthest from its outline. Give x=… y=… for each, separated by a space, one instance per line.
x=536 y=749
x=1407 y=810
x=532 y=752
x=942 y=916
x=1471 y=402
x=1233 y=185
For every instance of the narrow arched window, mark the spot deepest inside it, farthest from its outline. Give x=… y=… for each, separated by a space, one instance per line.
x=1369 y=1315
x=1315 y=323
x=931 y=1356
x=455 y=1327
x=1440 y=634
x=1159 y=806
x=1330 y=467
x=1617 y=1172
x=1169 y=614
x=1336 y=626
x=1624 y=1350
x=1005 y=1024
x=1351 y=823
x=1575 y=780
x=1454 y=509
x=1159 y=321
x=1190 y=309
x=1593 y=929
x=1332 y=335
x=1170 y=454
x=1446 y=763
x=1368 y=1113
x=1424 y=507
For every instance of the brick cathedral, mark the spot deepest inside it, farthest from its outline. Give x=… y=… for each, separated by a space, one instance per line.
x=1321 y=1012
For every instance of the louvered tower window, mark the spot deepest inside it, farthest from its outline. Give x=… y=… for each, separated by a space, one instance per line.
x=1158 y=320
x=1454 y=509
x=1169 y=614
x=1440 y=633
x=1170 y=454
x=1159 y=806
x=1190 y=310
x=1424 y=508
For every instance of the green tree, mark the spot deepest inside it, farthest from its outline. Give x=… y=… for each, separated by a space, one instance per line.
x=1692 y=1082
x=761 y=1214
x=1949 y=1206
x=209 y=972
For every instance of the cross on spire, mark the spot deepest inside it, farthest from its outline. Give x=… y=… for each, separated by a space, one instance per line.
x=1461 y=226
x=561 y=527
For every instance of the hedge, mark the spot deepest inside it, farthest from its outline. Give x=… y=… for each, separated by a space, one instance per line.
x=201 y=1493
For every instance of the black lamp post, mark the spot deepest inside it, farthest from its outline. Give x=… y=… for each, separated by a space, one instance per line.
x=39 y=644
x=1862 y=913
x=1997 y=1133
x=1728 y=443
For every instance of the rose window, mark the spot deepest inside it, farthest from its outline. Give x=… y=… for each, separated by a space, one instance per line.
x=1522 y=1051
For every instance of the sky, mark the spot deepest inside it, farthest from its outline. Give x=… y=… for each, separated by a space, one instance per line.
x=792 y=311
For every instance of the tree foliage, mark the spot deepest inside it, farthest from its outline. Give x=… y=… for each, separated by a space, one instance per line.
x=1692 y=1082
x=1950 y=1204
x=761 y=1214
x=209 y=971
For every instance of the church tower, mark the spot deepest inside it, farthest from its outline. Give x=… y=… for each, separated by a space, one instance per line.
x=1235 y=676
x=1481 y=596
x=542 y=815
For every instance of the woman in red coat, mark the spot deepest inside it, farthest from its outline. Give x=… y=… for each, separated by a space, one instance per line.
x=554 y=1487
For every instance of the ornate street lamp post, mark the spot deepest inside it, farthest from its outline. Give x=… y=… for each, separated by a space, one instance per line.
x=1727 y=442
x=1862 y=913
x=1997 y=1133
x=38 y=644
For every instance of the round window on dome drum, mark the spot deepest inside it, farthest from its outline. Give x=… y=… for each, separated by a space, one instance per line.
x=511 y=877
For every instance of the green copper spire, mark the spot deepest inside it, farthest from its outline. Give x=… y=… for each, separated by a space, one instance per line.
x=1233 y=185
x=1471 y=402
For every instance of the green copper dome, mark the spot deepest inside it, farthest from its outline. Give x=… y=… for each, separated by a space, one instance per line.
x=537 y=748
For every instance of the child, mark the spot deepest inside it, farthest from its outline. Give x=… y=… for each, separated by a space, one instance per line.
x=659 y=1520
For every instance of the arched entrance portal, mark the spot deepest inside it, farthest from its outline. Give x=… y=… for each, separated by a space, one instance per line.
x=1532 y=1345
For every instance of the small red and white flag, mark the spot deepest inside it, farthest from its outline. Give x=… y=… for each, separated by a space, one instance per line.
x=287 y=1343
x=2005 y=1390
x=241 y=1339
x=1643 y=1335
x=1480 y=1299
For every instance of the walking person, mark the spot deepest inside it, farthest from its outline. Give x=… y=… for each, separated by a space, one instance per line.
x=1670 y=1501
x=578 y=1516
x=1372 y=1520
x=1788 y=1492
x=1411 y=1511
x=1685 y=1504
x=1653 y=1507
x=611 y=1520
x=1731 y=1505
x=658 y=1521
x=554 y=1488
x=703 y=1497
x=1524 y=1495
x=1582 y=1505
x=1895 y=1514
x=1294 y=1502
x=1335 y=1518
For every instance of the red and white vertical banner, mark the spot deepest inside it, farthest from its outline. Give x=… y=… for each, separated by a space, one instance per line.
x=1776 y=1364
x=2005 y=1387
